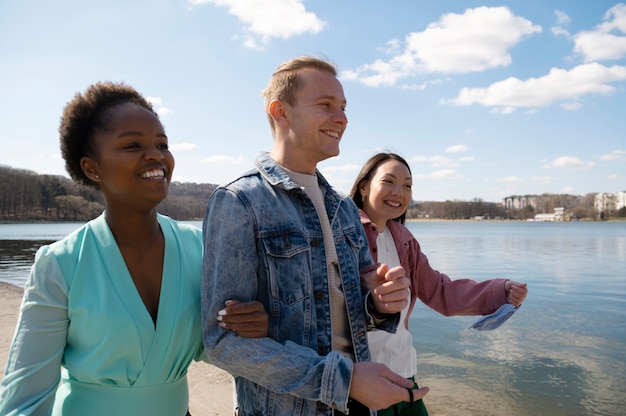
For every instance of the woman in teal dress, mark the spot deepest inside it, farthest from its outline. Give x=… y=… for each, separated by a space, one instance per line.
x=110 y=319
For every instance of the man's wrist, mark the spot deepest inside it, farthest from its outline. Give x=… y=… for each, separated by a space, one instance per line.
x=381 y=316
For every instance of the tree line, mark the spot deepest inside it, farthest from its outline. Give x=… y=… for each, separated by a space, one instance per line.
x=577 y=207
x=28 y=196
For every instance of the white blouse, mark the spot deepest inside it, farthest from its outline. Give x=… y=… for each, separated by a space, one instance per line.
x=394 y=350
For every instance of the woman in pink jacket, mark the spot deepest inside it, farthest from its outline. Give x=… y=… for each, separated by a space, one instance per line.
x=382 y=191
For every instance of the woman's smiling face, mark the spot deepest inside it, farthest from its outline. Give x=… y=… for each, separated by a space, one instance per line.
x=388 y=193
x=133 y=163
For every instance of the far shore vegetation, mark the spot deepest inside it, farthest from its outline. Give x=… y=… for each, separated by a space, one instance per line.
x=26 y=196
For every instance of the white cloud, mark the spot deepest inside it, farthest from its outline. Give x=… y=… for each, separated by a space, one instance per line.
x=251 y=43
x=392 y=46
x=615 y=18
x=477 y=40
x=420 y=87
x=559 y=31
x=596 y=46
x=182 y=146
x=457 y=149
x=157 y=104
x=156 y=101
x=570 y=163
x=562 y=18
x=619 y=155
x=558 y=85
x=269 y=19
x=603 y=43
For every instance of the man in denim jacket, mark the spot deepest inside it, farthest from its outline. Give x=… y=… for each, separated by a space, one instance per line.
x=281 y=235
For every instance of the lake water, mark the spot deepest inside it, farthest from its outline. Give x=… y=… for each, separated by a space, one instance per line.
x=562 y=353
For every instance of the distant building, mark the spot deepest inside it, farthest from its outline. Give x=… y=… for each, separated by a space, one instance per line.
x=606 y=202
x=519 y=202
x=557 y=215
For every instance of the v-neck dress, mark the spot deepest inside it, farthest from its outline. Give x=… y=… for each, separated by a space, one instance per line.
x=83 y=322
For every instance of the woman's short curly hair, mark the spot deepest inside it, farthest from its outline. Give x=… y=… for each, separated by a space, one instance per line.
x=88 y=114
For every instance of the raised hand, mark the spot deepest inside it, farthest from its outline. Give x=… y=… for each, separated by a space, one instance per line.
x=391 y=295
x=515 y=292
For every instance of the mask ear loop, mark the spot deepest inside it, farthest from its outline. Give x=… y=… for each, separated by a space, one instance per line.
x=395 y=406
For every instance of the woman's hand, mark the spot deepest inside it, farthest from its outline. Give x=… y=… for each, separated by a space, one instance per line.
x=392 y=293
x=247 y=319
x=515 y=292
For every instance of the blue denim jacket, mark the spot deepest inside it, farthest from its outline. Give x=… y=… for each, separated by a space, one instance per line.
x=263 y=241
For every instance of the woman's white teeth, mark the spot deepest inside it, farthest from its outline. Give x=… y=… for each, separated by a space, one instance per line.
x=153 y=173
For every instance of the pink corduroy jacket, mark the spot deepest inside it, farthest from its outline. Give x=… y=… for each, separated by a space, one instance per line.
x=435 y=289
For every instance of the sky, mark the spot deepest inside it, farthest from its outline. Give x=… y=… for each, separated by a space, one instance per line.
x=484 y=99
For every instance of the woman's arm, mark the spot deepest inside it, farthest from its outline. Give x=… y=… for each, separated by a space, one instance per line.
x=33 y=367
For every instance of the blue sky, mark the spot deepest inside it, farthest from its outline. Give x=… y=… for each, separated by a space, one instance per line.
x=485 y=99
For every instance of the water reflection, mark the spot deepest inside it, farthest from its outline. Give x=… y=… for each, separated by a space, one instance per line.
x=563 y=353
x=534 y=386
x=16 y=259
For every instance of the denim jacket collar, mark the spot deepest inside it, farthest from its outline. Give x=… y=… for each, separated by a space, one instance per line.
x=276 y=175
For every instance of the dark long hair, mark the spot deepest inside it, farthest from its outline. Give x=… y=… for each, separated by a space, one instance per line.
x=366 y=173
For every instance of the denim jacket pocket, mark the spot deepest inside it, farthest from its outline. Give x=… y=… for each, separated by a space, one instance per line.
x=289 y=266
x=354 y=238
x=354 y=246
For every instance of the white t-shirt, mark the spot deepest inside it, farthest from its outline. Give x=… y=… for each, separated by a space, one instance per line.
x=341 y=336
x=394 y=350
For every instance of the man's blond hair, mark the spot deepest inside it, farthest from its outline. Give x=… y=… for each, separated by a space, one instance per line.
x=286 y=81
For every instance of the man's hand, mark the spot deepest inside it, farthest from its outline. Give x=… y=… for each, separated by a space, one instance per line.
x=247 y=319
x=377 y=387
x=391 y=295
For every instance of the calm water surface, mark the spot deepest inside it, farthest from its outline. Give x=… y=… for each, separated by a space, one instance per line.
x=562 y=353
